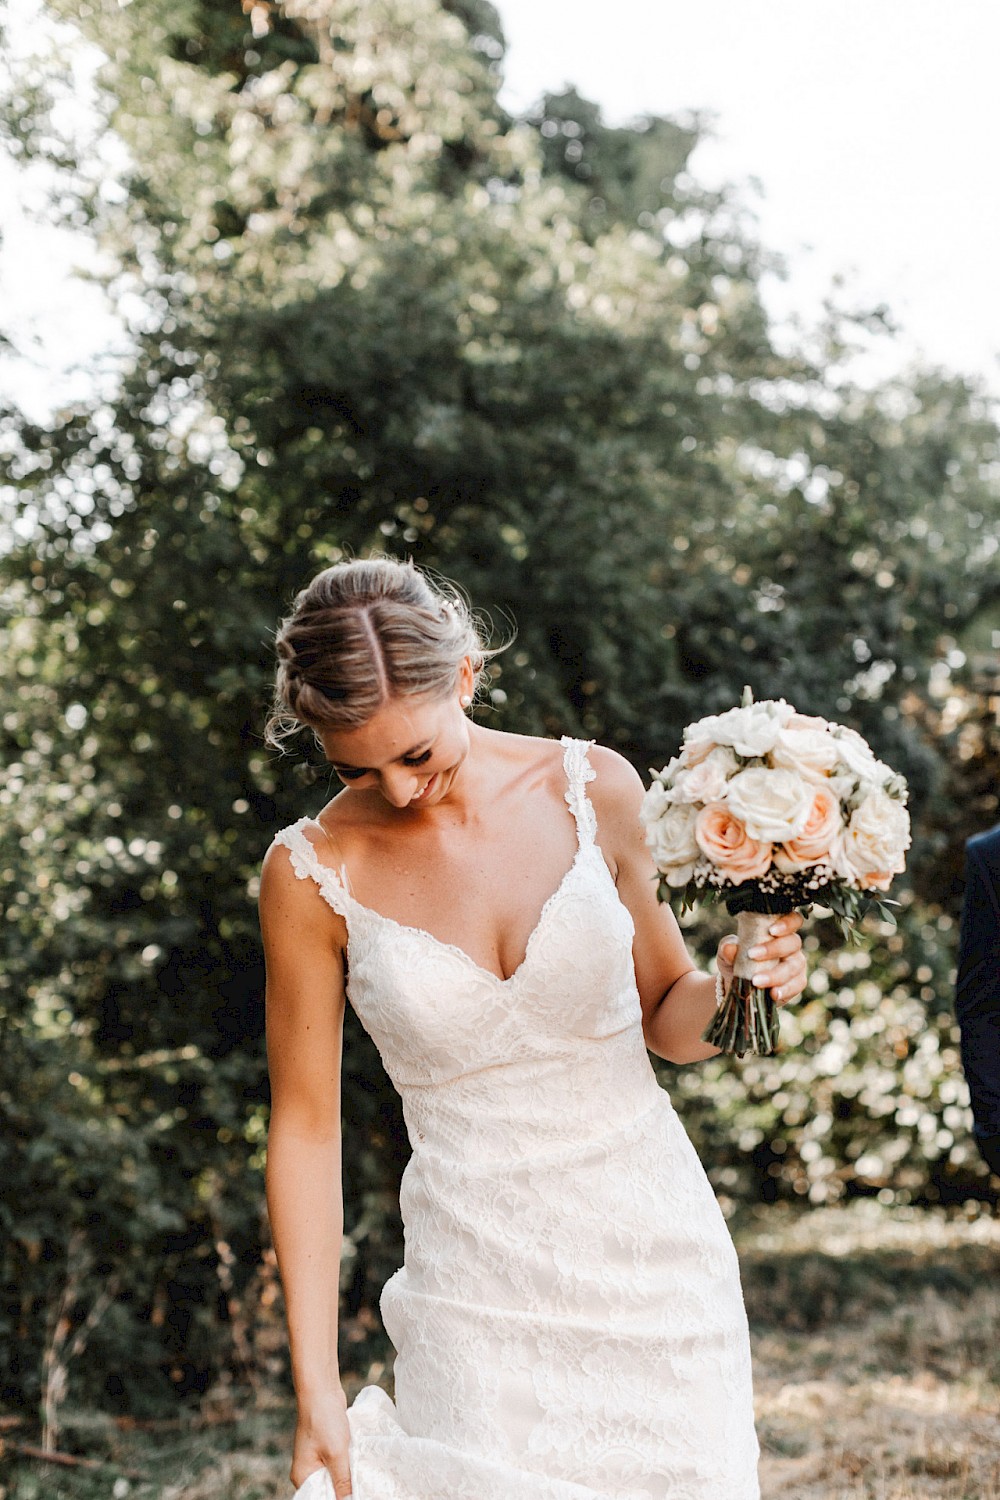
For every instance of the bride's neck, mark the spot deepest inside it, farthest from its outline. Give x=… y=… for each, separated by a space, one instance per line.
x=473 y=786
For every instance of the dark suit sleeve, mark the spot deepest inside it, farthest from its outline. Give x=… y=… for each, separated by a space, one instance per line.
x=977 y=994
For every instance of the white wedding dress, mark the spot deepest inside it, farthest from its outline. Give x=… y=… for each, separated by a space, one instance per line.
x=568 y=1321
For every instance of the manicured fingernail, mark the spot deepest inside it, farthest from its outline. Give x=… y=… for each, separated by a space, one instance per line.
x=776 y=929
x=758 y=952
x=761 y=981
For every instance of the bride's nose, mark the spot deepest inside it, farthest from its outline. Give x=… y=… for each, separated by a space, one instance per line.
x=398 y=785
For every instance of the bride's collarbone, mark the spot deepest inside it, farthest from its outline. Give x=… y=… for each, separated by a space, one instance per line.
x=474 y=875
x=484 y=895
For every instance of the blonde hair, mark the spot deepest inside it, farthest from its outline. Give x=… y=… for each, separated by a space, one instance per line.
x=361 y=633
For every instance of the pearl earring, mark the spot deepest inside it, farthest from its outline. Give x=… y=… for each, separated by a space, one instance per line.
x=465 y=700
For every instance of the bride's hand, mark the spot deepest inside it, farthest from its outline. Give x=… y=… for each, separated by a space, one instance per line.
x=781 y=963
x=322 y=1436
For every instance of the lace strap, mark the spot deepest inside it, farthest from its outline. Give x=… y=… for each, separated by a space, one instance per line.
x=307 y=864
x=578 y=772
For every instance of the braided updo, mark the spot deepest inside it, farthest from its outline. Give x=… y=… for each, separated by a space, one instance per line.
x=364 y=632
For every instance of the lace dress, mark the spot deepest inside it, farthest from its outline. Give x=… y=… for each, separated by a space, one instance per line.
x=568 y=1321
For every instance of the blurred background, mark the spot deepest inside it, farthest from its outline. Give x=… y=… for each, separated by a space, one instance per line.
x=288 y=282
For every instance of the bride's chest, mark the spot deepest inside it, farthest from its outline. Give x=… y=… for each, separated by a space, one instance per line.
x=435 y=1012
x=482 y=895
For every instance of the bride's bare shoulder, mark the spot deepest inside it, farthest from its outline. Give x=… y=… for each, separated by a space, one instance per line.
x=614 y=774
x=295 y=853
x=291 y=906
x=615 y=777
x=615 y=793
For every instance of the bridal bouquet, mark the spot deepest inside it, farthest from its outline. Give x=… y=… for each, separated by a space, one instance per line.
x=771 y=810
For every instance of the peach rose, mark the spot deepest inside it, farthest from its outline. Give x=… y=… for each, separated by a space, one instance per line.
x=814 y=842
x=725 y=841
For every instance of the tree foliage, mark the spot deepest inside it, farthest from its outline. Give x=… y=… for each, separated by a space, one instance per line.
x=371 y=310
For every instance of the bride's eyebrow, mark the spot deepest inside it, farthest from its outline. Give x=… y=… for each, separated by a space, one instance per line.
x=345 y=765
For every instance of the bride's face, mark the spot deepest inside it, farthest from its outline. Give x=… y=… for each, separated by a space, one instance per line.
x=409 y=752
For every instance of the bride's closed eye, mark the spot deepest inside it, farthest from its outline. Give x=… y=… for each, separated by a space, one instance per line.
x=353 y=773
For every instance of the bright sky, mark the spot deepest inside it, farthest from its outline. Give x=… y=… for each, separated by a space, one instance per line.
x=55 y=314
x=872 y=127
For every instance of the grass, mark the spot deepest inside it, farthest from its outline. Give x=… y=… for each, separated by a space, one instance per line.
x=877 y=1355
x=876 y=1340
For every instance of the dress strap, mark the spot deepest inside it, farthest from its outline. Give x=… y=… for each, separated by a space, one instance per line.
x=578 y=772
x=307 y=864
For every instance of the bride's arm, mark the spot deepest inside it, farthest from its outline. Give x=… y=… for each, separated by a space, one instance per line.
x=678 y=1000
x=303 y=948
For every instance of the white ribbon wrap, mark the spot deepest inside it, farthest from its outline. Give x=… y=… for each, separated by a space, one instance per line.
x=752 y=927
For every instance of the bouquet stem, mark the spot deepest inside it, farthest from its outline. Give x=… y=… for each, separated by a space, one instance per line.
x=747 y=1019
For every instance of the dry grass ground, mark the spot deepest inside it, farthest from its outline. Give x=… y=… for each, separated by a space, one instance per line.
x=877 y=1358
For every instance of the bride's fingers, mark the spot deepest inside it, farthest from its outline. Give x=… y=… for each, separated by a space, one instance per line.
x=790 y=922
x=780 y=961
x=341 y=1476
x=775 y=949
x=333 y=1479
x=727 y=949
x=785 y=980
x=318 y=1485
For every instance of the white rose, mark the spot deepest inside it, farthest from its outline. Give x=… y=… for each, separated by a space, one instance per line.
x=706 y=782
x=772 y=805
x=891 y=782
x=708 y=733
x=654 y=804
x=752 y=731
x=896 y=786
x=673 y=845
x=843 y=785
x=812 y=753
x=668 y=774
x=856 y=754
x=872 y=847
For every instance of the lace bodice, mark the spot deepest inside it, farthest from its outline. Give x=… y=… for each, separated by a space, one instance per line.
x=436 y=1015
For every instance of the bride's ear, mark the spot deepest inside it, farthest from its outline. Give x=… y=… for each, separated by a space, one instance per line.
x=465 y=682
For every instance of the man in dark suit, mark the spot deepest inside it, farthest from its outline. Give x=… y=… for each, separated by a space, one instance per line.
x=977 y=996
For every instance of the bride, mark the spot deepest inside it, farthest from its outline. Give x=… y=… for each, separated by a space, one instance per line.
x=568 y=1320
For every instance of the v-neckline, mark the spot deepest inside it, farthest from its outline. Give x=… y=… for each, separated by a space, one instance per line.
x=499 y=979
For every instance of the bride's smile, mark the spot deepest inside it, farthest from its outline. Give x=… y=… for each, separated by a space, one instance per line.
x=409 y=753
